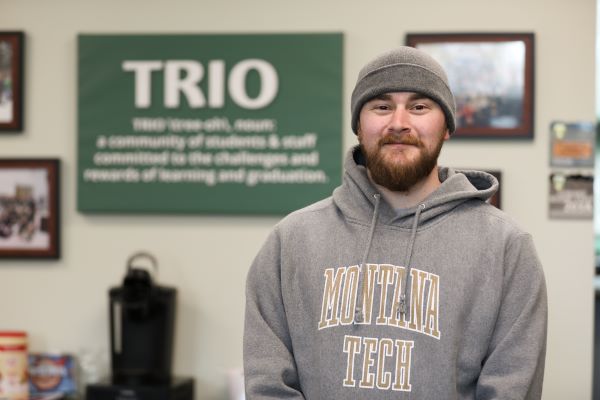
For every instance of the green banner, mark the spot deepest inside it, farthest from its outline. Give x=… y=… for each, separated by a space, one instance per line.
x=208 y=123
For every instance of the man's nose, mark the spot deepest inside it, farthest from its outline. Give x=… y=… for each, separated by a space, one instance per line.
x=399 y=120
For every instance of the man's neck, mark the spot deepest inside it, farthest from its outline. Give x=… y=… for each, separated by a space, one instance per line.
x=414 y=195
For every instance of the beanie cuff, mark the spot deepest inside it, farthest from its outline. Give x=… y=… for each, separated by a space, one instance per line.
x=403 y=77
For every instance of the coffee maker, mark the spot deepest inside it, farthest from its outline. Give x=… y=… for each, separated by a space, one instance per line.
x=142 y=325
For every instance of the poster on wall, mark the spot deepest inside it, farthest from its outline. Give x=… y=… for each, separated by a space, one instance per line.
x=571 y=196
x=572 y=144
x=208 y=123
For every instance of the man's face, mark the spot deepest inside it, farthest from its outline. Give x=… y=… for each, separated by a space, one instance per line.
x=401 y=135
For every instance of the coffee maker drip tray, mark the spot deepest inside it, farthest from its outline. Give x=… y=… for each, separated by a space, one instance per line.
x=178 y=389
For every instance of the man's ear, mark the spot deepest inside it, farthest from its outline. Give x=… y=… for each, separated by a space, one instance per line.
x=447 y=134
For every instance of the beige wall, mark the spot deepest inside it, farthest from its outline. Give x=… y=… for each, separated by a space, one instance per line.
x=63 y=304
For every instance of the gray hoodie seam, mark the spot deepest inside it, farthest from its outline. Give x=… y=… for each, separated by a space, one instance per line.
x=421 y=228
x=490 y=212
x=327 y=202
x=481 y=209
x=441 y=219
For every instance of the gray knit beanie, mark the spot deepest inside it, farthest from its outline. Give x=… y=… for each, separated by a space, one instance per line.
x=404 y=69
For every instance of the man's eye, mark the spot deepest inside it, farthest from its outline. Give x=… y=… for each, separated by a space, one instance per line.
x=381 y=107
x=419 y=107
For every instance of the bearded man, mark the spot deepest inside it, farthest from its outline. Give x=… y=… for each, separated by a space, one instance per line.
x=405 y=283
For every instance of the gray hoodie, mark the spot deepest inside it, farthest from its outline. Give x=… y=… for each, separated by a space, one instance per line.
x=350 y=299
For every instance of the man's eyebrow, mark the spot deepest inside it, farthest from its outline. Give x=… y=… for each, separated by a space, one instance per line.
x=383 y=96
x=418 y=96
x=413 y=96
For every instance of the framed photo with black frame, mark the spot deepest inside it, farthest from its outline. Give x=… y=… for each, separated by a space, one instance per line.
x=492 y=78
x=12 y=46
x=29 y=208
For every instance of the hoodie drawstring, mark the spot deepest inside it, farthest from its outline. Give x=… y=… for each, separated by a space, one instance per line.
x=359 y=312
x=402 y=307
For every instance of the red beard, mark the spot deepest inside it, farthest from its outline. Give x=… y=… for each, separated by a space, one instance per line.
x=400 y=177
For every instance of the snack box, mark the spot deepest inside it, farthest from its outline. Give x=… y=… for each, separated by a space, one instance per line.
x=51 y=374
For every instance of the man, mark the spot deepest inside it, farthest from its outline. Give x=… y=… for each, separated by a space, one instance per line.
x=405 y=283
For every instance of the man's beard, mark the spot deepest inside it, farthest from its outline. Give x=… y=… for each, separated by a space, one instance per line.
x=400 y=176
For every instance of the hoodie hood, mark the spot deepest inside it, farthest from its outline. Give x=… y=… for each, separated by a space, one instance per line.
x=356 y=196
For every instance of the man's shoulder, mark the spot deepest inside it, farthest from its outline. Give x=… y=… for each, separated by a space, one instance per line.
x=313 y=208
x=313 y=213
x=493 y=217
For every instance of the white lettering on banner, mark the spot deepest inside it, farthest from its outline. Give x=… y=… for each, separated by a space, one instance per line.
x=211 y=151
x=182 y=77
x=129 y=175
x=216 y=77
x=143 y=74
x=237 y=84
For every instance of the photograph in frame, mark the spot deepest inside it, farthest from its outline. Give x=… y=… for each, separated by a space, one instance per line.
x=11 y=81
x=491 y=76
x=29 y=208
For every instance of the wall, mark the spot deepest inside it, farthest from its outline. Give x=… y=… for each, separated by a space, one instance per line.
x=63 y=304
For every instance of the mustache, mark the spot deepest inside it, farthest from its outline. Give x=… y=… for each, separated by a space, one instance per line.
x=405 y=139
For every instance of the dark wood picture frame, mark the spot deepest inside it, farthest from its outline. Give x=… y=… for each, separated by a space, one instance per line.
x=492 y=78
x=29 y=208
x=12 y=46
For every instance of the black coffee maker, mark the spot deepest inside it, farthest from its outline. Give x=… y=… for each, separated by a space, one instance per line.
x=142 y=318
x=142 y=325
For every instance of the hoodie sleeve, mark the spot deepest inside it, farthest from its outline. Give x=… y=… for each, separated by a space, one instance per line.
x=514 y=366
x=269 y=365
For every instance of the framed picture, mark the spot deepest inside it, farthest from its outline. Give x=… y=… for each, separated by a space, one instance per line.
x=29 y=208
x=11 y=81
x=491 y=76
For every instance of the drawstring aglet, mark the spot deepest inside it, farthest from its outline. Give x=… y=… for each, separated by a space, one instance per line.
x=358 y=316
x=401 y=310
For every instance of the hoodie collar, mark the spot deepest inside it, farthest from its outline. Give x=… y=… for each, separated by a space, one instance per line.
x=355 y=197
